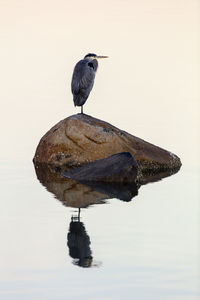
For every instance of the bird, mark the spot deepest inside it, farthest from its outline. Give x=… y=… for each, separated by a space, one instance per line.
x=83 y=78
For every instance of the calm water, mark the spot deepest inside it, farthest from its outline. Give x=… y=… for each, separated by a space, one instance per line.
x=144 y=249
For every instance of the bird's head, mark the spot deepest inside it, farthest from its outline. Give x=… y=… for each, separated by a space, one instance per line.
x=91 y=56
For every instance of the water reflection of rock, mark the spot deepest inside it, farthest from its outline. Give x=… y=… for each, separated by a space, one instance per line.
x=78 y=242
x=77 y=194
x=82 y=194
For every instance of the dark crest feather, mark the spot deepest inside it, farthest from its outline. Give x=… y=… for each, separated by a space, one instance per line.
x=90 y=54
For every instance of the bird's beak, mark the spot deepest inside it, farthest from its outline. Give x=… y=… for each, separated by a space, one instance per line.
x=101 y=57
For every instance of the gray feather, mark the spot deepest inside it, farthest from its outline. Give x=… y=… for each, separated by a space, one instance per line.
x=83 y=80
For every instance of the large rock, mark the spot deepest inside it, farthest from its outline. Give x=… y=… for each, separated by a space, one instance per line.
x=80 y=139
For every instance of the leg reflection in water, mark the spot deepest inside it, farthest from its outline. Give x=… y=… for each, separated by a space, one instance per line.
x=78 y=242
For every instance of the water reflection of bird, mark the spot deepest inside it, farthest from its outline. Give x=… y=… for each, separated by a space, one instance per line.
x=83 y=78
x=78 y=242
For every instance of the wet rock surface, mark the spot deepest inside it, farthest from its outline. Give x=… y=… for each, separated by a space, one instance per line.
x=81 y=139
x=120 y=167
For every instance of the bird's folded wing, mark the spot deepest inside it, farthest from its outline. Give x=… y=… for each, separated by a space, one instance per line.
x=83 y=77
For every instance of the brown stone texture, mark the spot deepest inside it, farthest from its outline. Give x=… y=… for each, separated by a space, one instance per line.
x=80 y=139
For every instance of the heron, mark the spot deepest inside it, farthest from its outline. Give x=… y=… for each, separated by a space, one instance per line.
x=83 y=78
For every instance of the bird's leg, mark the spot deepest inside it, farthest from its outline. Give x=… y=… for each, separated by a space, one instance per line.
x=82 y=109
x=79 y=211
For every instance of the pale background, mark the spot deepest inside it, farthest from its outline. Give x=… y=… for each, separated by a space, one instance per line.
x=151 y=76
x=149 y=86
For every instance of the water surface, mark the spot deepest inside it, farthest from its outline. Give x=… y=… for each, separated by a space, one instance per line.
x=144 y=248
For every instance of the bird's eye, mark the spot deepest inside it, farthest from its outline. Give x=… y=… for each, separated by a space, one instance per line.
x=91 y=65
